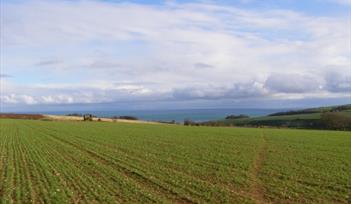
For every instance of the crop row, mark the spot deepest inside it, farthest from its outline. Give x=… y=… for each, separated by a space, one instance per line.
x=77 y=162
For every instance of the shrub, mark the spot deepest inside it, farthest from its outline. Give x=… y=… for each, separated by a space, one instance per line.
x=74 y=114
x=341 y=108
x=297 y=112
x=336 y=121
x=188 y=122
x=126 y=117
x=88 y=117
x=236 y=116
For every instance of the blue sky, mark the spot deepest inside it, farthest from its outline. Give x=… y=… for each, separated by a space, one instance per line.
x=174 y=54
x=312 y=7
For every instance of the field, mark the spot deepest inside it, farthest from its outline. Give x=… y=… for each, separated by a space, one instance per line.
x=302 y=121
x=100 y=162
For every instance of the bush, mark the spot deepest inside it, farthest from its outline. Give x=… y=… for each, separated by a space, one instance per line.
x=341 y=108
x=236 y=116
x=336 y=121
x=297 y=112
x=188 y=122
x=125 y=117
x=88 y=117
x=75 y=114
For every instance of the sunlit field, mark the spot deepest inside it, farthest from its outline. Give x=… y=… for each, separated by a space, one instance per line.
x=97 y=162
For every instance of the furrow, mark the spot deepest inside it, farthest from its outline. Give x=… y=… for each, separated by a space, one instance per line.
x=140 y=179
x=93 y=175
x=160 y=168
x=101 y=173
x=138 y=175
x=51 y=158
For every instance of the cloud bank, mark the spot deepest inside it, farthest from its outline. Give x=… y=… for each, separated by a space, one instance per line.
x=68 y=52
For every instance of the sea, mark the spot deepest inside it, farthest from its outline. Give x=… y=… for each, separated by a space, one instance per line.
x=198 y=115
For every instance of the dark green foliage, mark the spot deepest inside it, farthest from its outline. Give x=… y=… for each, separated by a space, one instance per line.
x=125 y=117
x=333 y=118
x=336 y=121
x=75 y=114
x=314 y=110
x=188 y=122
x=341 y=108
x=88 y=117
x=236 y=116
x=297 y=112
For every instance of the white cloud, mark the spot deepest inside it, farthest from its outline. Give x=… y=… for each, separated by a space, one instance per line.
x=98 y=92
x=92 y=52
x=343 y=2
x=18 y=99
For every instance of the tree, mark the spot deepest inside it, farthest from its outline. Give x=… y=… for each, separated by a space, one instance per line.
x=336 y=121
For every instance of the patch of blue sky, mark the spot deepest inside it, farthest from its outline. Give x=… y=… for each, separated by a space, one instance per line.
x=26 y=68
x=24 y=75
x=311 y=7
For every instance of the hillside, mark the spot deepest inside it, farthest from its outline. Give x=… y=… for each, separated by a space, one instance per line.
x=333 y=117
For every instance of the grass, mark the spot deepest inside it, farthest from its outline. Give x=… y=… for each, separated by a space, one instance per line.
x=304 y=121
x=92 y=162
x=307 y=121
x=311 y=118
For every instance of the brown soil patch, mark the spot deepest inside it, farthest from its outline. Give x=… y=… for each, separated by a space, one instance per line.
x=21 y=116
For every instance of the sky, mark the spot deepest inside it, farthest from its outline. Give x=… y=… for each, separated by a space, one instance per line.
x=174 y=54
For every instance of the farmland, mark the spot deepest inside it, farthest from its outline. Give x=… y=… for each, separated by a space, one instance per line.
x=330 y=117
x=100 y=162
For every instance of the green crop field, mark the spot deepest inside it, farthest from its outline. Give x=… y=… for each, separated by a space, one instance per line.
x=97 y=162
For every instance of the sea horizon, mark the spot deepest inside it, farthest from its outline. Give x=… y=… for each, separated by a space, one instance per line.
x=178 y=115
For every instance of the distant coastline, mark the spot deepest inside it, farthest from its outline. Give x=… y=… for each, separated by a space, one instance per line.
x=198 y=115
x=329 y=117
